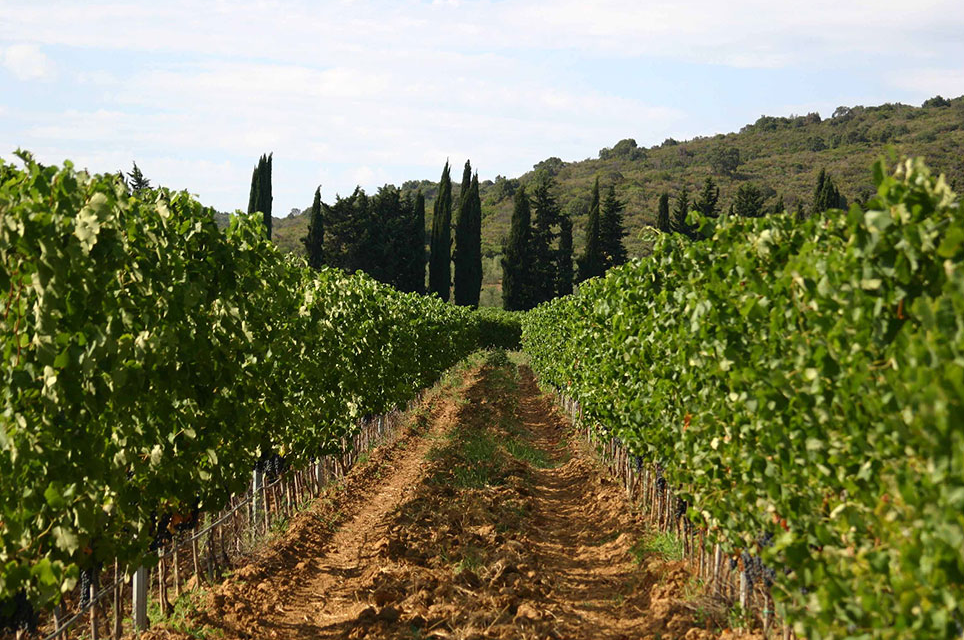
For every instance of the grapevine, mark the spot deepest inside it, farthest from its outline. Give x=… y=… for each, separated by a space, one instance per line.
x=150 y=360
x=800 y=378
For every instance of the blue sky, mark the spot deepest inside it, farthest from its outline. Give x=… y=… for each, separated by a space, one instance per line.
x=353 y=92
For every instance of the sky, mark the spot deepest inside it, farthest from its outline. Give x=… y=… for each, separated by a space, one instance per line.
x=356 y=92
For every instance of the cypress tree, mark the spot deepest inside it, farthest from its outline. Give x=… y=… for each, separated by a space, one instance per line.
x=564 y=257
x=468 y=247
x=708 y=199
x=265 y=194
x=540 y=242
x=416 y=279
x=611 y=230
x=826 y=196
x=515 y=257
x=662 y=214
x=314 y=241
x=680 y=211
x=818 y=191
x=466 y=183
x=461 y=254
x=592 y=262
x=260 y=198
x=253 y=194
x=440 y=259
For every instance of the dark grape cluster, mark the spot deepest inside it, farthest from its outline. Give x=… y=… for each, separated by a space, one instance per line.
x=86 y=579
x=757 y=572
x=17 y=614
x=765 y=540
x=160 y=531
x=638 y=463
x=681 y=507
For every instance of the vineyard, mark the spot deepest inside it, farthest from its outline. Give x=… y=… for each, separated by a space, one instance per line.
x=801 y=385
x=151 y=361
x=797 y=385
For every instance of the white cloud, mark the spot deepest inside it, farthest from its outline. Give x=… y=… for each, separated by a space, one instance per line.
x=739 y=33
x=374 y=91
x=930 y=82
x=27 y=62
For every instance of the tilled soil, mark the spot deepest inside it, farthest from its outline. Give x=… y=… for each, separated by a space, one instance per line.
x=489 y=521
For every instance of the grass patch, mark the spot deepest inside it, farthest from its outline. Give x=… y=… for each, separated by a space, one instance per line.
x=522 y=450
x=665 y=545
x=471 y=561
x=184 y=610
x=472 y=460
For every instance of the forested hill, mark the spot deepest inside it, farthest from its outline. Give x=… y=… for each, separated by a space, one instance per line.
x=781 y=155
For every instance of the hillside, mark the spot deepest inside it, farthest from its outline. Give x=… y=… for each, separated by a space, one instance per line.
x=782 y=155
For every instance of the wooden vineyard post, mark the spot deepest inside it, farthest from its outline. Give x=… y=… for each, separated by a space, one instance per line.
x=140 y=598
x=93 y=604
x=117 y=628
x=717 y=569
x=767 y=613
x=162 y=581
x=744 y=591
x=177 y=572
x=211 y=559
x=264 y=505
x=257 y=483
x=57 y=616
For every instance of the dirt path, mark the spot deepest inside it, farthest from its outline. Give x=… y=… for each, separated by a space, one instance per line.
x=489 y=521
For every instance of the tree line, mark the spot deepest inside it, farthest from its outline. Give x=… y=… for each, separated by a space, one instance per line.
x=537 y=263
x=384 y=234
x=748 y=202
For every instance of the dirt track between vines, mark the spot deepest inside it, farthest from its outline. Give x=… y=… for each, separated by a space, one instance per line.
x=486 y=519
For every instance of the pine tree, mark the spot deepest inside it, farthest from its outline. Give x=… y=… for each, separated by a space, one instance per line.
x=387 y=219
x=611 y=231
x=540 y=243
x=801 y=214
x=347 y=227
x=138 y=182
x=749 y=201
x=516 y=295
x=314 y=241
x=564 y=257
x=662 y=214
x=708 y=199
x=440 y=259
x=680 y=211
x=592 y=261
x=468 y=248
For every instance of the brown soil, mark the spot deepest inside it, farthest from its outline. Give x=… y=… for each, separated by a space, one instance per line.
x=425 y=541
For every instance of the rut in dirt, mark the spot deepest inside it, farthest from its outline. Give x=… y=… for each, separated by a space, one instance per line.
x=487 y=519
